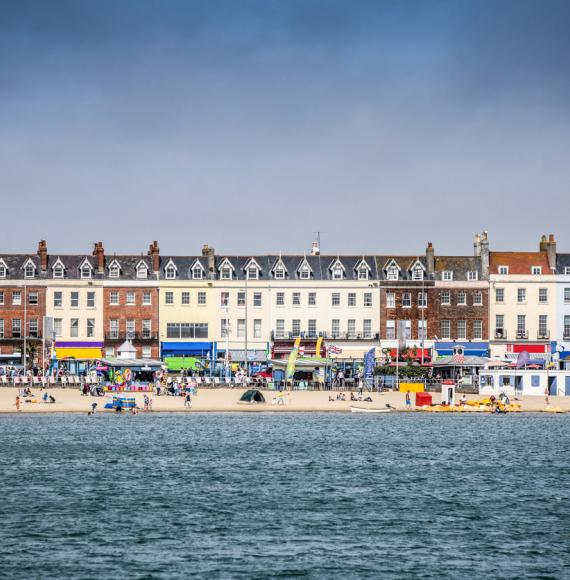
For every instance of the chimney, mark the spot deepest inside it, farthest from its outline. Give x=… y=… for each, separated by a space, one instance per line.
x=315 y=250
x=42 y=253
x=477 y=246
x=543 y=245
x=430 y=260
x=210 y=253
x=154 y=253
x=484 y=255
x=551 y=252
x=99 y=253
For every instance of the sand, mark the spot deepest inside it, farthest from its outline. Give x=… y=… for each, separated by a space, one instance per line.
x=226 y=400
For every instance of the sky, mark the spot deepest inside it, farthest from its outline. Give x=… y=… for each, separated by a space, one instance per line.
x=252 y=124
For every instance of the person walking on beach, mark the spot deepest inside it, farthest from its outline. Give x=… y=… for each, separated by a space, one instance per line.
x=188 y=401
x=408 y=401
x=17 y=403
x=93 y=408
x=546 y=396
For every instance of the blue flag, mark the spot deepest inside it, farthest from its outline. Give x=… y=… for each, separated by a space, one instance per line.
x=369 y=361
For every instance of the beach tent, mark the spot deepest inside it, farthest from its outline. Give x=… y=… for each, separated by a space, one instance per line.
x=252 y=396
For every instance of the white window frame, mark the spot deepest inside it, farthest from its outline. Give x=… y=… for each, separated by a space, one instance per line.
x=279 y=273
x=472 y=275
x=147 y=298
x=170 y=272
x=392 y=272
x=363 y=272
x=114 y=270
x=114 y=294
x=252 y=270
x=536 y=270
x=197 y=272
x=390 y=300
x=128 y=301
x=447 y=275
x=337 y=273
x=58 y=271
x=142 y=267
x=202 y=299
x=29 y=266
x=503 y=270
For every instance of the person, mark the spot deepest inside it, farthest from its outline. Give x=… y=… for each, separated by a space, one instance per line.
x=352 y=396
x=341 y=378
x=93 y=407
x=46 y=397
x=17 y=402
x=546 y=396
x=463 y=400
x=119 y=407
x=146 y=402
x=51 y=399
x=408 y=401
x=188 y=401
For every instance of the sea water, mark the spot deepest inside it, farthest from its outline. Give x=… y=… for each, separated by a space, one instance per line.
x=284 y=495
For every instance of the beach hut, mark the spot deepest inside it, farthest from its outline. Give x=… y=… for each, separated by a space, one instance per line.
x=252 y=396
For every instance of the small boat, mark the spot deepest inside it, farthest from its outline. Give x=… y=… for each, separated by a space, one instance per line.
x=368 y=410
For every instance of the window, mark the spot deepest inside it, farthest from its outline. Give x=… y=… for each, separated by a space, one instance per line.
x=422 y=299
x=280 y=299
x=418 y=273
x=58 y=271
x=499 y=294
x=90 y=327
x=390 y=329
x=252 y=273
x=390 y=300
x=477 y=329
x=241 y=328
x=296 y=328
x=447 y=275
x=257 y=299
x=33 y=328
x=406 y=300
x=543 y=295
x=1 y=298
x=312 y=328
x=170 y=272
x=392 y=273
x=224 y=327
x=500 y=326
x=462 y=329
x=185 y=298
x=521 y=326
x=202 y=300
x=226 y=273
x=368 y=299
x=114 y=270
x=114 y=298
x=74 y=328
x=367 y=328
x=566 y=271
x=407 y=324
x=109 y=351
x=147 y=328
x=521 y=295
x=197 y=273
x=536 y=270
x=75 y=300
x=29 y=270
x=445 y=329
x=472 y=275
x=535 y=381
x=16 y=328
x=187 y=330
x=445 y=298
x=2 y=270
x=335 y=328
x=312 y=299
x=90 y=299
x=169 y=297
x=542 y=326
x=503 y=270
x=130 y=328
x=566 y=295
x=33 y=298
x=461 y=298
x=336 y=298
x=142 y=271
x=146 y=352
x=352 y=298
x=16 y=298
x=147 y=298
x=363 y=273
x=422 y=329
x=337 y=273
x=57 y=327
x=1 y=328
x=279 y=328
x=86 y=271
x=566 y=327
x=225 y=299
x=241 y=298
x=296 y=299
x=351 y=328
x=279 y=273
x=477 y=298
x=257 y=328
x=304 y=272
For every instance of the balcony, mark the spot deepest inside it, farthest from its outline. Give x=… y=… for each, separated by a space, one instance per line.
x=500 y=333
x=522 y=334
x=133 y=336
x=326 y=335
x=544 y=335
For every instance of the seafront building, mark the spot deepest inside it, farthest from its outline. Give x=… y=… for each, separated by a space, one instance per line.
x=209 y=308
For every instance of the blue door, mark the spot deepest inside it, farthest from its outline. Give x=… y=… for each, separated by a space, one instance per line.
x=567 y=386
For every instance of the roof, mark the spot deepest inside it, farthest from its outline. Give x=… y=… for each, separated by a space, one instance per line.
x=518 y=262
x=459 y=265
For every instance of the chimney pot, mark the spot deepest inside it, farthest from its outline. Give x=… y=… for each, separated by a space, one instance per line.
x=42 y=253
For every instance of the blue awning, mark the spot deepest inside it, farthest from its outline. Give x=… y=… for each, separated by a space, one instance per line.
x=445 y=348
x=187 y=348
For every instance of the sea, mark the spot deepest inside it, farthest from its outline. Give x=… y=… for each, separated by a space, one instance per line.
x=275 y=495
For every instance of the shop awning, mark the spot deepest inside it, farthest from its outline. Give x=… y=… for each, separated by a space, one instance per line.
x=445 y=348
x=238 y=355
x=74 y=349
x=187 y=348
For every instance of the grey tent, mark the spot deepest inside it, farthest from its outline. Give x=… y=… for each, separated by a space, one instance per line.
x=252 y=396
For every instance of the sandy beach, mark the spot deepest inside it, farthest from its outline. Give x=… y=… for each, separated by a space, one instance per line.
x=226 y=400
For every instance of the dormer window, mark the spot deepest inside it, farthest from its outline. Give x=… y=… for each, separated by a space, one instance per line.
x=170 y=272
x=142 y=270
x=363 y=273
x=29 y=270
x=447 y=275
x=304 y=273
x=536 y=270
x=252 y=273
x=503 y=270
x=279 y=273
x=58 y=271
x=392 y=272
x=226 y=273
x=197 y=273
x=472 y=275
x=86 y=271
x=417 y=273
x=114 y=270
x=337 y=273
x=3 y=269
x=566 y=270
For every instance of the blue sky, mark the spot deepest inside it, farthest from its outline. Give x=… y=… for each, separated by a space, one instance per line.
x=251 y=124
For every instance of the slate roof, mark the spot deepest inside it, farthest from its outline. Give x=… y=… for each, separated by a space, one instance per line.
x=562 y=262
x=459 y=265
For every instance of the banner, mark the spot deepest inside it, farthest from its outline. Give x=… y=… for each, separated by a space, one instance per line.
x=290 y=371
x=369 y=362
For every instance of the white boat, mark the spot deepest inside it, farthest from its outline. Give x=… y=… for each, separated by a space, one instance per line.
x=368 y=410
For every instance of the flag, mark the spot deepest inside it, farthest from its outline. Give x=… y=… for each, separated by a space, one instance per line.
x=369 y=362
x=334 y=349
x=458 y=358
x=522 y=359
x=290 y=371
